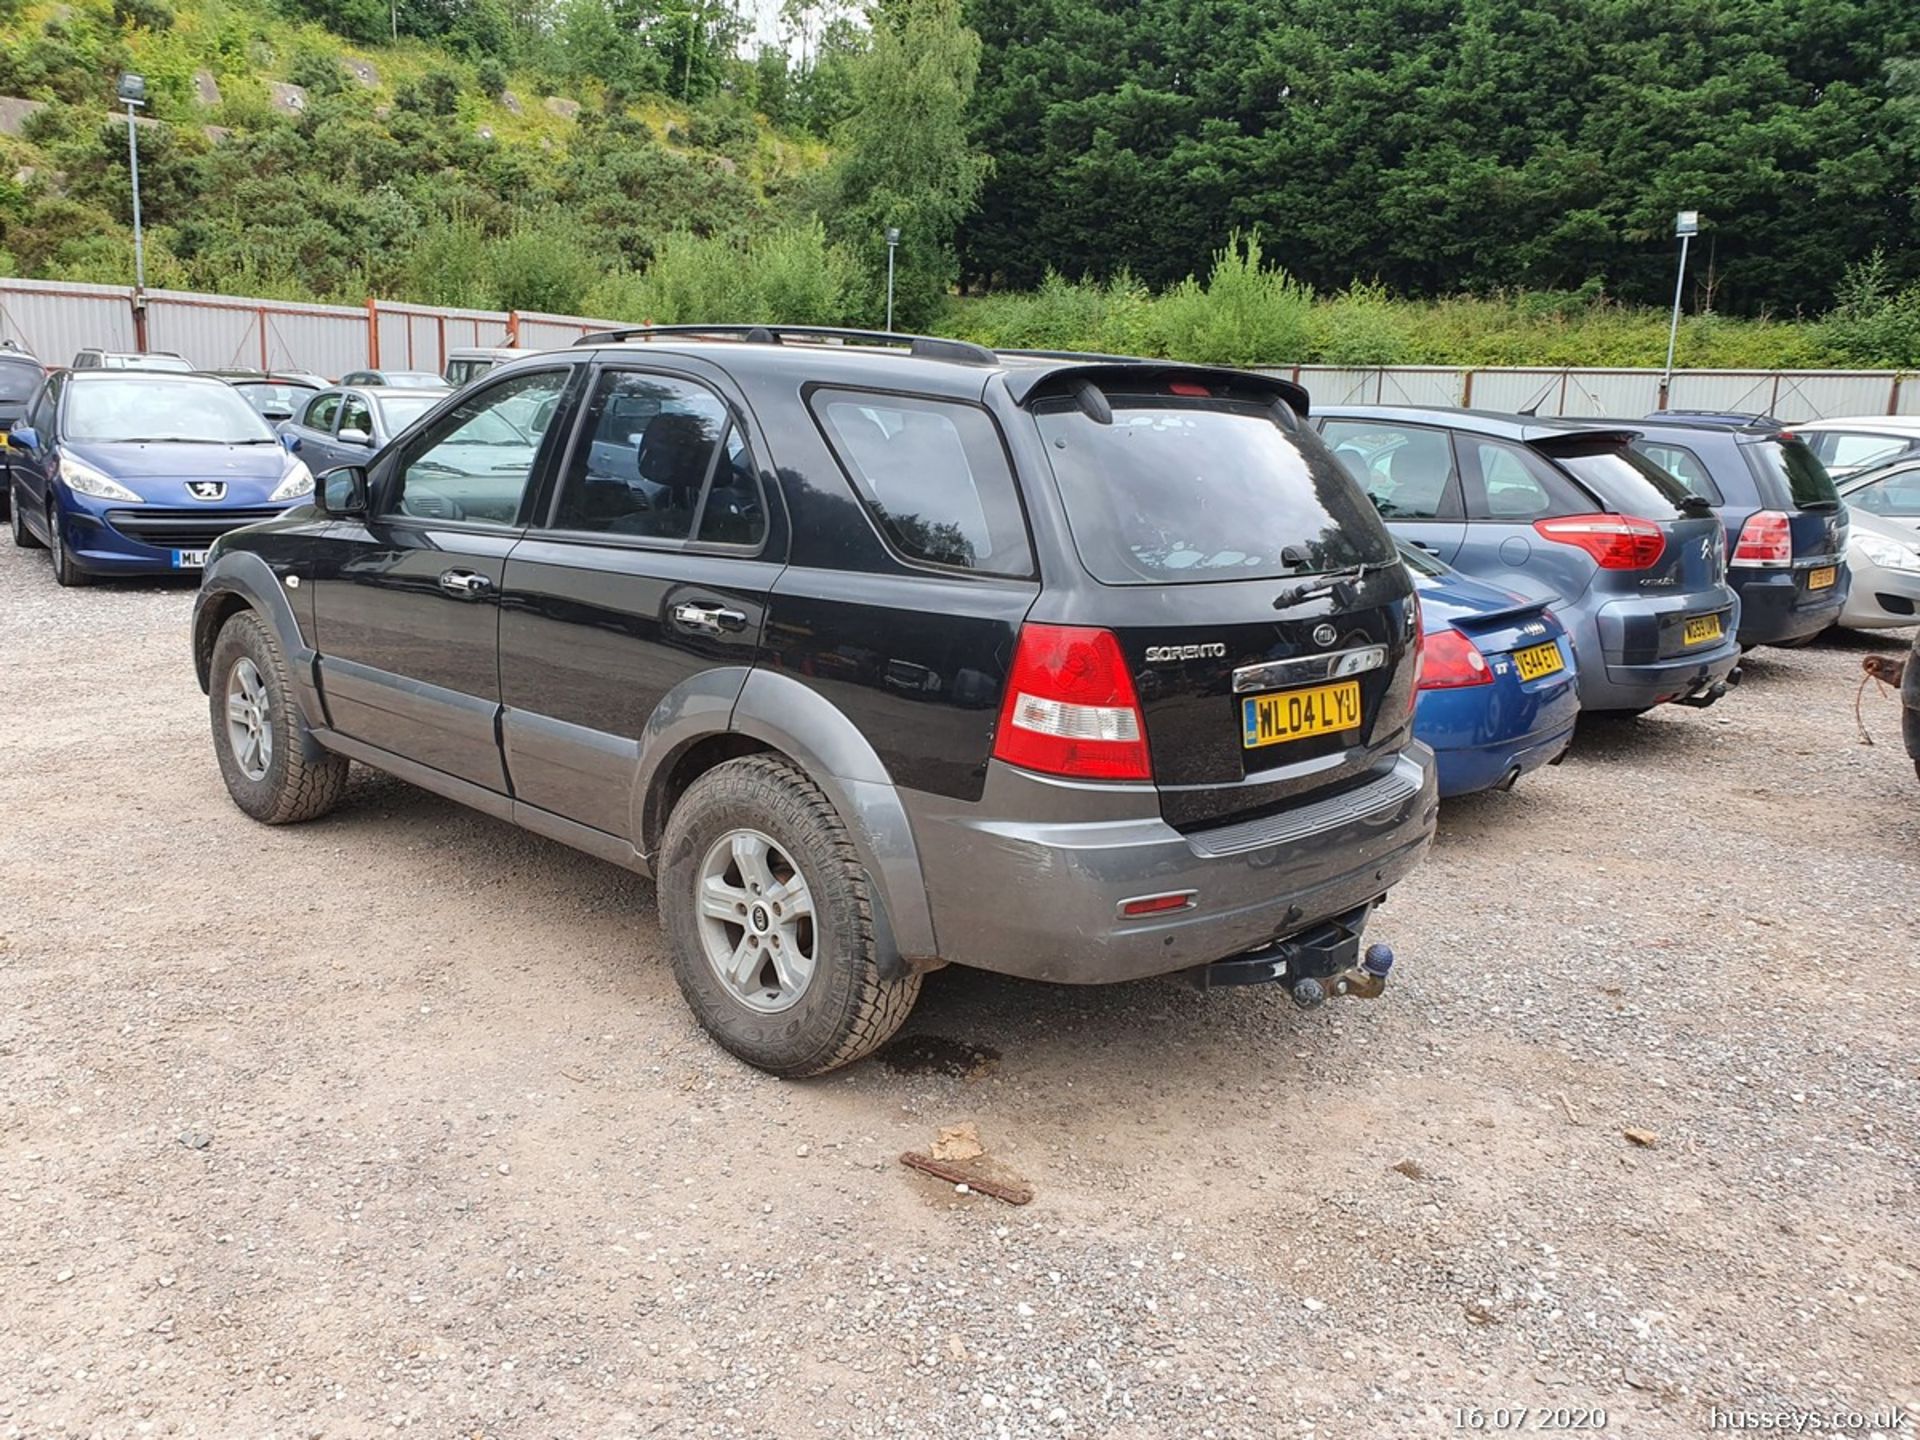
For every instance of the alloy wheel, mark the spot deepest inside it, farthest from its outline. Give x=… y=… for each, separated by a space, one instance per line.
x=249 y=719
x=757 y=921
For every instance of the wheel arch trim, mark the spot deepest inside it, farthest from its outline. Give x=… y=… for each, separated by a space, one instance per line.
x=242 y=575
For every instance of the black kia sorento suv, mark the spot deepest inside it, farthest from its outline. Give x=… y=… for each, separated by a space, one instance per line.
x=876 y=653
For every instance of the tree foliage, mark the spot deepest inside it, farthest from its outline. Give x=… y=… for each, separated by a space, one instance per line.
x=1449 y=145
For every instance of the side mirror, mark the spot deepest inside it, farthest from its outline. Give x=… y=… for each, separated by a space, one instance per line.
x=341 y=492
x=291 y=443
x=354 y=437
x=23 y=437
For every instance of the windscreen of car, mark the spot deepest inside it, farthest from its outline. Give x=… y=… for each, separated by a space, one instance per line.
x=1624 y=479
x=173 y=364
x=187 y=411
x=414 y=380
x=1192 y=490
x=1895 y=493
x=1789 y=460
x=400 y=411
x=17 y=382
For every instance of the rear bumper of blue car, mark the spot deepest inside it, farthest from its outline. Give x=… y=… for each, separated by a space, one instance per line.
x=1483 y=736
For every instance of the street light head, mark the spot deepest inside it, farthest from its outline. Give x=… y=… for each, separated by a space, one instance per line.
x=133 y=88
x=1687 y=222
x=893 y=234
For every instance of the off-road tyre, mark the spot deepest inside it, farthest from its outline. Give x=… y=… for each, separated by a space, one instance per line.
x=848 y=1009
x=302 y=781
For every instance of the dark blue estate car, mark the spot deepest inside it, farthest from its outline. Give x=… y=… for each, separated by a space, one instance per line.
x=124 y=473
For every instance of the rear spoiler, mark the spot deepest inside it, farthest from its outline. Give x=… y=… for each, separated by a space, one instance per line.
x=1115 y=375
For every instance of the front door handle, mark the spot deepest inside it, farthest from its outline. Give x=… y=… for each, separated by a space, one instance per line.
x=708 y=618
x=1423 y=545
x=465 y=584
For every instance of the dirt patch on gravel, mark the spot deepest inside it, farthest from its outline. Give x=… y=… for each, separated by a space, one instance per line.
x=397 y=1121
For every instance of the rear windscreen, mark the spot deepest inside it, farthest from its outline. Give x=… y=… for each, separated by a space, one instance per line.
x=1628 y=482
x=1204 y=489
x=1791 y=462
x=17 y=382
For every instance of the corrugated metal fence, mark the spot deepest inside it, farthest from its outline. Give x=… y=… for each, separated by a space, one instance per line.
x=221 y=332
x=54 y=319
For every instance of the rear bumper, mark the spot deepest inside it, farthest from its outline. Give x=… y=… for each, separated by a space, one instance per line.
x=1465 y=769
x=1621 y=632
x=1030 y=880
x=1776 y=607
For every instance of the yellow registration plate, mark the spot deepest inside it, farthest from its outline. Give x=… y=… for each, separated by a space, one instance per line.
x=1823 y=578
x=1299 y=714
x=1538 y=660
x=1701 y=629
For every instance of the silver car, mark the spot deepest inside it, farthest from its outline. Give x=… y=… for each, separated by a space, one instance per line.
x=1883 y=551
x=349 y=425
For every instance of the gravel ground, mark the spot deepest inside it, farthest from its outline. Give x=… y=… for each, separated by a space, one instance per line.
x=396 y=1121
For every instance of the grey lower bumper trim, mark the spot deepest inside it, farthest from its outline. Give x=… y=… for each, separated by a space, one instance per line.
x=1388 y=792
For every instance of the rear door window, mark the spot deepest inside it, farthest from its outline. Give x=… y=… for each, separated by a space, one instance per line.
x=1406 y=470
x=1681 y=463
x=934 y=476
x=1192 y=490
x=1796 y=469
x=1511 y=484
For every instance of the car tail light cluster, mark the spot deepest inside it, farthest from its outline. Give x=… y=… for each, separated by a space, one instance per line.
x=1418 y=644
x=1452 y=661
x=1071 y=708
x=1766 y=539
x=1616 y=542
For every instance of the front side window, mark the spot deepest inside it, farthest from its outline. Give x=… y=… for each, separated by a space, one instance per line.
x=934 y=476
x=1406 y=470
x=162 y=411
x=473 y=464
x=321 y=412
x=660 y=458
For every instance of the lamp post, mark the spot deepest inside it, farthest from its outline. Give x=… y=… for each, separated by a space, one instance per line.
x=133 y=94
x=893 y=240
x=1686 y=225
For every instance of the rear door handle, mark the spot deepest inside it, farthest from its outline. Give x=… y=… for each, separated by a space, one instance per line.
x=708 y=618
x=465 y=584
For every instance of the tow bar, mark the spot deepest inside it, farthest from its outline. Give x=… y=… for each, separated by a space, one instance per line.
x=1314 y=965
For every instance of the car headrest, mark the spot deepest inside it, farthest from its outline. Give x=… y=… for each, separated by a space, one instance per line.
x=675 y=450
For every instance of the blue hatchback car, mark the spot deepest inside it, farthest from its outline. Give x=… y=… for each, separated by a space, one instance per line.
x=120 y=472
x=1499 y=688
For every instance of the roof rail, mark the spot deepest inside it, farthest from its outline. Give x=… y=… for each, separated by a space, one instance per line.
x=929 y=347
x=1084 y=355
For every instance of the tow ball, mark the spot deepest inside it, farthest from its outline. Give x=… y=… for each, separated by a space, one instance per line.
x=1364 y=981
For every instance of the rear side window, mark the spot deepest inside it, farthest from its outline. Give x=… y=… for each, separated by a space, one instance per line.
x=934 y=476
x=1204 y=489
x=1406 y=470
x=1681 y=463
x=1798 y=469
x=1511 y=484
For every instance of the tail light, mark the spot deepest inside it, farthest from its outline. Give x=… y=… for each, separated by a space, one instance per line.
x=1071 y=708
x=1453 y=661
x=1417 y=644
x=1766 y=539
x=1616 y=542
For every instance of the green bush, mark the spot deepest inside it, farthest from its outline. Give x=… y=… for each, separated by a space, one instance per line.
x=143 y=14
x=1246 y=314
x=792 y=275
x=492 y=77
x=318 y=71
x=546 y=263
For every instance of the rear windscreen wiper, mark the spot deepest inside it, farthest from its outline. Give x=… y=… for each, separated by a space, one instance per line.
x=1340 y=583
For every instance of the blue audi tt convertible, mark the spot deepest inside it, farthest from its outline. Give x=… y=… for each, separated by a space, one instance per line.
x=1498 y=687
x=118 y=472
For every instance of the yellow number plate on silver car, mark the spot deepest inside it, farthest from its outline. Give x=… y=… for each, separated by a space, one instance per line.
x=1299 y=714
